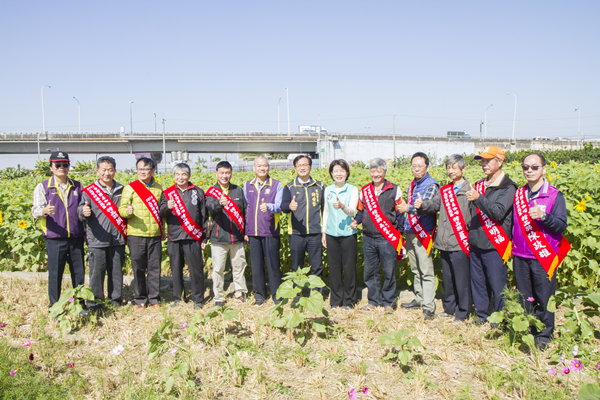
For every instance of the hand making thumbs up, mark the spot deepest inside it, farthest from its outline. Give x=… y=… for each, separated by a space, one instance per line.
x=354 y=225
x=419 y=201
x=171 y=203
x=337 y=203
x=293 y=204
x=129 y=209
x=223 y=200
x=536 y=211
x=472 y=194
x=49 y=209
x=263 y=206
x=87 y=210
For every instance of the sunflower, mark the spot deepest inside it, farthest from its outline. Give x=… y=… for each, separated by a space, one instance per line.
x=553 y=164
x=1 y=218
x=581 y=206
x=22 y=224
x=587 y=197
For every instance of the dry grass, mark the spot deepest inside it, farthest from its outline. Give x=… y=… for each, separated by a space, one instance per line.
x=456 y=362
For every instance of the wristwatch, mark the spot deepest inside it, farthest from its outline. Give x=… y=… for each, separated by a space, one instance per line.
x=543 y=216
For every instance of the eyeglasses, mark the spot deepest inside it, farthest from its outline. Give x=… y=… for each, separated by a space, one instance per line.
x=532 y=167
x=302 y=165
x=62 y=165
x=144 y=169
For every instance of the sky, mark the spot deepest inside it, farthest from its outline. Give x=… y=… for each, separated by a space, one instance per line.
x=350 y=65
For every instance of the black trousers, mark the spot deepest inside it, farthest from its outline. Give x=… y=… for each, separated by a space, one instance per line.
x=341 y=256
x=532 y=281
x=311 y=244
x=146 y=255
x=192 y=251
x=489 y=277
x=59 y=252
x=106 y=261
x=265 y=250
x=457 y=283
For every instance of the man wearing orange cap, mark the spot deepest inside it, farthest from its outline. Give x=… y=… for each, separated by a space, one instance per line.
x=490 y=232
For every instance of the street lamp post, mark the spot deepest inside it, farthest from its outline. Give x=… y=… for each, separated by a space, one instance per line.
x=130 y=117
x=154 y=122
x=164 y=143
x=319 y=141
x=485 y=120
x=515 y=117
x=287 y=94
x=78 y=113
x=278 y=129
x=43 y=121
x=579 y=126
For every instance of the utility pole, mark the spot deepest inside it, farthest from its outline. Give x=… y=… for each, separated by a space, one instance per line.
x=394 y=130
x=288 y=108
x=164 y=143
x=319 y=141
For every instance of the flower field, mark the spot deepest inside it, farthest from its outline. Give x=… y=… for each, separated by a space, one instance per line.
x=22 y=247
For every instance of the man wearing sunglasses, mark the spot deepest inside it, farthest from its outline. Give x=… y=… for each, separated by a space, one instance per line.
x=55 y=203
x=540 y=215
x=490 y=233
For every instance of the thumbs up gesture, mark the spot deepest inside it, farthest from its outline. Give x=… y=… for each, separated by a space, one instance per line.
x=536 y=211
x=49 y=209
x=87 y=210
x=354 y=224
x=223 y=200
x=472 y=194
x=171 y=203
x=337 y=204
x=129 y=209
x=419 y=201
x=293 y=204
x=263 y=206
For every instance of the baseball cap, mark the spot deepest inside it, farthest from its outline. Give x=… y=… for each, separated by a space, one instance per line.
x=59 y=156
x=491 y=152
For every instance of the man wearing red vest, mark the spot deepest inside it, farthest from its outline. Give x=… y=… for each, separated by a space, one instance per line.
x=540 y=215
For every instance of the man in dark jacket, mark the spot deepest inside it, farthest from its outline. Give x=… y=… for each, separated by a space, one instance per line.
x=105 y=229
x=226 y=204
x=184 y=208
x=303 y=198
x=263 y=195
x=452 y=238
x=490 y=232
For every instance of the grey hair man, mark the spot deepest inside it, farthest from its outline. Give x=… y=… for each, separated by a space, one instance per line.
x=183 y=206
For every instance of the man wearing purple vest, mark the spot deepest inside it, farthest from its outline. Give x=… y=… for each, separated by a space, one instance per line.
x=547 y=208
x=263 y=195
x=55 y=203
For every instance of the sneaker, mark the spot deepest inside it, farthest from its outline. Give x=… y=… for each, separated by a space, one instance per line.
x=346 y=308
x=155 y=306
x=335 y=307
x=258 y=302
x=219 y=303
x=140 y=306
x=445 y=315
x=198 y=306
x=413 y=305
x=241 y=298
x=84 y=313
x=428 y=315
x=457 y=322
x=388 y=309
x=368 y=307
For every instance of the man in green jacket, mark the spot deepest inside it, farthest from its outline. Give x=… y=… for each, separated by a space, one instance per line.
x=140 y=206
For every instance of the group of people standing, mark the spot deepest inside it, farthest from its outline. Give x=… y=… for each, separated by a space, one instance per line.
x=480 y=226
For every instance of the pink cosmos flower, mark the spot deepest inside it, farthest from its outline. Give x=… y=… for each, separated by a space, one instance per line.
x=575 y=350
x=184 y=325
x=2 y=325
x=562 y=358
x=174 y=350
x=31 y=357
x=71 y=299
x=530 y=299
x=352 y=394
x=566 y=370
x=70 y=374
x=598 y=366
x=71 y=365
x=365 y=390
x=27 y=343
x=576 y=365
x=14 y=371
x=552 y=371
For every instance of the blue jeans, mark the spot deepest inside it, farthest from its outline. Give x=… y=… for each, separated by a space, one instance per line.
x=378 y=251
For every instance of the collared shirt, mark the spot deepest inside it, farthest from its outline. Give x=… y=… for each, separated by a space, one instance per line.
x=40 y=201
x=432 y=190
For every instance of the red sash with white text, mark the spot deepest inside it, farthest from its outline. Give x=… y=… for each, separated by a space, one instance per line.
x=493 y=229
x=149 y=200
x=536 y=239
x=381 y=222
x=459 y=227
x=109 y=209
x=424 y=237
x=183 y=215
x=231 y=208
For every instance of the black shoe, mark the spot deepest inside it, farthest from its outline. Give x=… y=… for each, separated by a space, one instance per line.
x=198 y=306
x=541 y=344
x=346 y=308
x=84 y=312
x=413 y=305
x=428 y=315
x=494 y=325
x=175 y=303
x=258 y=302
x=219 y=303
x=294 y=303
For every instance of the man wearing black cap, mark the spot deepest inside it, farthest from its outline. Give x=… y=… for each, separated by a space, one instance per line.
x=55 y=202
